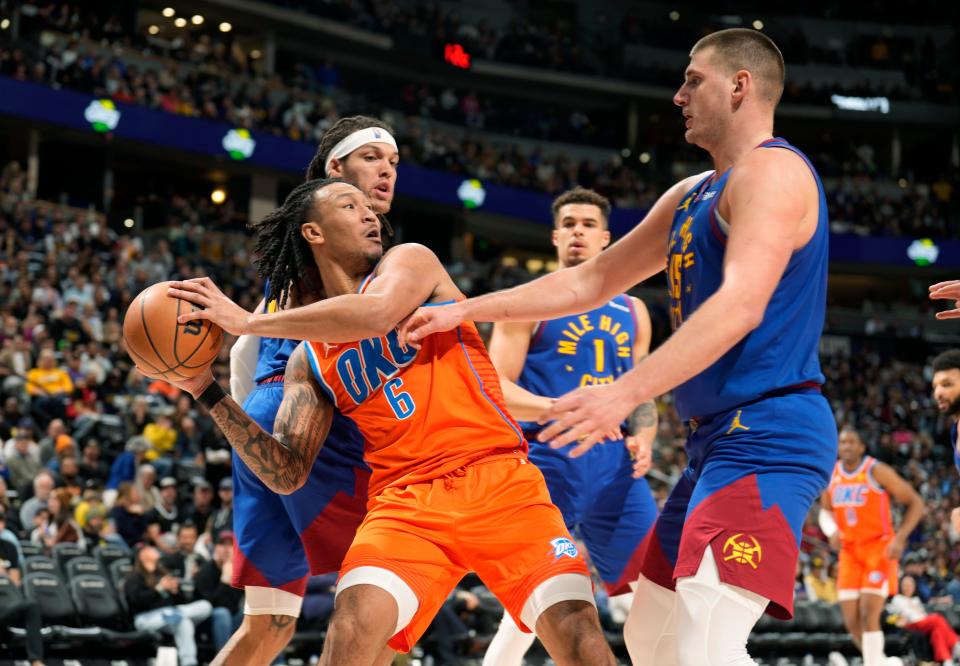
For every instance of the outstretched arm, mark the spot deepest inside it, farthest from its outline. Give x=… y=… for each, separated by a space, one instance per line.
x=509 y=345
x=282 y=461
x=642 y=421
x=408 y=275
x=632 y=259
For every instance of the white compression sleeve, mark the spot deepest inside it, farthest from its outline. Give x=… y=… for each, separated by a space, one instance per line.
x=827 y=522
x=650 y=631
x=508 y=645
x=243 y=364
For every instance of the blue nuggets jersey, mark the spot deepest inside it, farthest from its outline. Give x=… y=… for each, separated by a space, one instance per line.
x=781 y=353
x=581 y=350
x=274 y=352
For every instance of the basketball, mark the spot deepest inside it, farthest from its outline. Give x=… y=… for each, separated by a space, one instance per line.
x=162 y=348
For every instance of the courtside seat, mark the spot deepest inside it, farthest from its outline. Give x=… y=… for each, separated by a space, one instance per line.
x=40 y=564
x=64 y=552
x=83 y=565
x=51 y=594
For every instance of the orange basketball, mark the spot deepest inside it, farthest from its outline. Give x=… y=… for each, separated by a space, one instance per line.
x=162 y=348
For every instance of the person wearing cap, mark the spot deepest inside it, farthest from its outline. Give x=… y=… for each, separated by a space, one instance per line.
x=213 y=584
x=125 y=465
x=201 y=508
x=166 y=514
x=222 y=518
x=24 y=612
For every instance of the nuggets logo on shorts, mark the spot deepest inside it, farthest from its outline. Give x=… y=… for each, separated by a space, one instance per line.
x=742 y=550
x=563 y=546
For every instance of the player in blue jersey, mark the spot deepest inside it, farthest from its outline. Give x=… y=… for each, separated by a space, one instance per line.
x=601 y=500
x=946 y=392
x=282 y=539
x=745 y=249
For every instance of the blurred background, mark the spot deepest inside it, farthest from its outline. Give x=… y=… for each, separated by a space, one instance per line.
x=138 y=138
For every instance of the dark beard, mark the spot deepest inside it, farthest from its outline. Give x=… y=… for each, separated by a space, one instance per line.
x=953 y=408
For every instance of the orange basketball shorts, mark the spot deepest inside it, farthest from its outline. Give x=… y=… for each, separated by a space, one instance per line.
x=865 y=568
x=493 y=517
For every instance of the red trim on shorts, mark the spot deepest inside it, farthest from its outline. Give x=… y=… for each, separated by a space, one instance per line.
x=327 y=539
x=246 y=573
x=655 y=566
x=271 y=380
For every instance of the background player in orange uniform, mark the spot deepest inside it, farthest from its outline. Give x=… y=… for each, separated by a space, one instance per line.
x=451 y=489
x=862 y=527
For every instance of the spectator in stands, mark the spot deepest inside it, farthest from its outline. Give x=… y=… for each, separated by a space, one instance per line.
x=166 y=513
x=25 y=612
x=127 y=515
x=22 y=463
x=146 y=485
x=59 y=526
x=67 y=329
x=93 y=531
x=162 y=438
x=213 y=584
x=92 y=466
x=43 y=485
x=201 y=509
x=158 y=604
x=137 y=417
x=50 y=387
x=125 y=465
x=187 y=556
x=13 y=527
x=318 y=600
x=911 y=615
x=15 y=361
x=48 y=445
x=63 y=446
x=821 y=581
x=222 y=518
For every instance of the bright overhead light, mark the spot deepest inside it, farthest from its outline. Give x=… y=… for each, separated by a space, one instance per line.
x=196 y=19
x=225 y=27
x=128 y=223
x=168 y=12
x=758 y=24
x=674 y=15
x=180 y=22
x=153 y=29
x=4 y=24
x=644 y=157
x=255 y=54
x=218 y=196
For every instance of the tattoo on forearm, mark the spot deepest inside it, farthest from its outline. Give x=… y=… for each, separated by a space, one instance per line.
x=281 y=621
x=642 y=417
x=281 y=461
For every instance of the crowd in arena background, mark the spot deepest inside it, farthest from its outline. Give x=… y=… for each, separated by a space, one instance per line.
x=213 y=78
x=74 y=406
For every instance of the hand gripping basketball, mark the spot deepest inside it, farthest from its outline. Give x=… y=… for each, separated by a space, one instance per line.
x=216 y=307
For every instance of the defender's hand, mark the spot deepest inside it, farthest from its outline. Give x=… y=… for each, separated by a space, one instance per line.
x=216 y=306
x=585 y=415
x=947 y=291
x=427 y=320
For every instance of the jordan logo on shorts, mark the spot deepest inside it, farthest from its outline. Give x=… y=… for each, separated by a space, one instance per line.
x=563 y=546
x=736 y=425
x=742 y=551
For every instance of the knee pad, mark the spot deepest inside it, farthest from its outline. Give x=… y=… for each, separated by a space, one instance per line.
x=649 y=631
x=715 y=619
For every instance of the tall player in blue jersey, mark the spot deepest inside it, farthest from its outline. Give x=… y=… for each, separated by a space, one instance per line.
x=745 y=248
x=282 y=539
x=599 y=497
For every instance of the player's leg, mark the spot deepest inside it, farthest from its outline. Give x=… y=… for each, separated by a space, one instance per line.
x=871 y=640
x=516 y=541
x=269 y=622
x=850 y=574
x=364 y=618
x=741 y=537
x=878 y=581
x=650 y=630
x=563 y=477
x=509 y=644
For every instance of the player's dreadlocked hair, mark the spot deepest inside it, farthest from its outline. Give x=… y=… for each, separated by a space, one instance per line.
x=282 y=254
x=339 y=131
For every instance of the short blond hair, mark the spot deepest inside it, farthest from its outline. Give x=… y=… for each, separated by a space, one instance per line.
x=742 y=48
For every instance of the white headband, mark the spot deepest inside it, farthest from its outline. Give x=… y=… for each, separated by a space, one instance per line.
x=357 y=139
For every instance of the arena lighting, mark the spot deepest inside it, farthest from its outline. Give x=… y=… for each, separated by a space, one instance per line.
x=180 y=22
x=923 y=252
x=902 y=183
x=644 y=157
x=168 y=12
x=153 y=29
x=758 y=25
x=674 y=15
x=625 y=153
x=255 y=54
x=456 y=56
x=196 y=19
x=218 y=196
x=534 y=265
x=128 y=223
x=225 y=27
x=847 y=103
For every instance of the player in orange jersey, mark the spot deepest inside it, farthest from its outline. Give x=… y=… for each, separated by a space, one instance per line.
x=861 y=526
x=451 y=489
